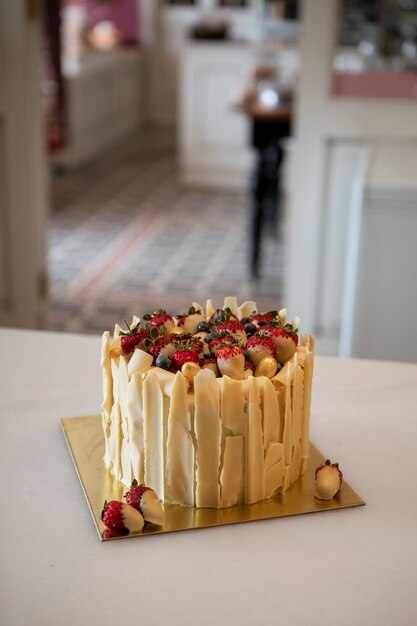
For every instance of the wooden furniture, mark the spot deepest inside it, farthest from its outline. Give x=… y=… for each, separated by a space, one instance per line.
x=354 y=566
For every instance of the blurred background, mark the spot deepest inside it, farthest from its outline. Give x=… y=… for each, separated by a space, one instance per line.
x=155 y=153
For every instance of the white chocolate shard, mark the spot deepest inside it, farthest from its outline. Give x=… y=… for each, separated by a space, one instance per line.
x=282 y=316
x=287 y=433
x=115 y=441
x=140 y=361
x=231 y=303
x=296 y=462
x=107 y=393
x=297 y=401
x=255 y=469
x=233 y=406
x=209 y=309
x=274 y=468
x=207 y=427
x=153 y=431
x=180 y=447
x=286 y=481
x=308 y=376
x=125 y=452
x=232 y=470
x=295 y=323
x=247 y=309
x=135 y=322
x=134 y=413
x=166 y=380
x=271 y=414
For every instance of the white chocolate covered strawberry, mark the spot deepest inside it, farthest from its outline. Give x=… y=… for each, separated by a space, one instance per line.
x=146 y=502
x=231 y=361
x=328 y=480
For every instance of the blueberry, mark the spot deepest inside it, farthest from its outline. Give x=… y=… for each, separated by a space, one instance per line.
x=245 y=320
x=164 y=362
x=208 y=338
x=250 y=329
x=203 y=327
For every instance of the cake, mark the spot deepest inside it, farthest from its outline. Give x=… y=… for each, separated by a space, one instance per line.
x=203 y=430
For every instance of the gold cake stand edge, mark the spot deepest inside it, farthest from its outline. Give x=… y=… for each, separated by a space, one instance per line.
x=84 y=437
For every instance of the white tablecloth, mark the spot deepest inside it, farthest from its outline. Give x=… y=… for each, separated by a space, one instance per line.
x=353 y=566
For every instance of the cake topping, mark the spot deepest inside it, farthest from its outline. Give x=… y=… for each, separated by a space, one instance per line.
x=222 y=315
x=259 y=346
x=328 y=480
x=160 y=318
x=186 y=351
x=145 y=501
x=132 y=338
x=267 y=367
x=121 y=517
x=191 y=320
x=231 y=361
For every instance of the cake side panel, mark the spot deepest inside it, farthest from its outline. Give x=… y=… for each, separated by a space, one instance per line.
x=134 y=412
x=107 y=394
x=255 y=468
x=180 y=447
x=208 y=433
x=125 y=451
x=153 y=432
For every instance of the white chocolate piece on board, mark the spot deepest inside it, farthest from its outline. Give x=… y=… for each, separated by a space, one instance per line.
x=140 y=361
x=247 y=309
x=255 y=468
x=207 y=426
x=153 y=432
x=180 y=447
x=271 y=414
x=232 y=470
x=134 y=413
x=231 y=303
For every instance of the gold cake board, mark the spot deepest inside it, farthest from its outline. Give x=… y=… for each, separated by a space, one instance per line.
x=85 y=441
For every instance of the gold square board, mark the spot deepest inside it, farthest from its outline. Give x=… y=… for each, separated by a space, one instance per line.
x=85 y=441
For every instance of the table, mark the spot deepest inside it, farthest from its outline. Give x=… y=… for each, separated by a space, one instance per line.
x=353 y=566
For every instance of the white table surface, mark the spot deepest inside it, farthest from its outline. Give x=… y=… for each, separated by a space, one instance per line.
x=353 y=566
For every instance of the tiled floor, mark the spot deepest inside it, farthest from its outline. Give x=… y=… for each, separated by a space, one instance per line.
x=126 y=237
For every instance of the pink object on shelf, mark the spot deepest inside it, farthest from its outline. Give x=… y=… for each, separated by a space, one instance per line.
x=123 y=13
x=398 y=85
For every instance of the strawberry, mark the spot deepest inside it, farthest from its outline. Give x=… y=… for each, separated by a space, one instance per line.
x=222 y=315
x=210 y=363
x=158 y=341
x=234 y=328
x=160 y=318
x=249 y=366
x=121 y=517
x=259 y=346
x=231 y=361
x=189 y=321
x=328 y=480
x=145 y=500
x=184 y=352
x=132 y=338
x=263 y=318
x=285 y=339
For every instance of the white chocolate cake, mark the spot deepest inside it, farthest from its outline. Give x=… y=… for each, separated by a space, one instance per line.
x=208 y=431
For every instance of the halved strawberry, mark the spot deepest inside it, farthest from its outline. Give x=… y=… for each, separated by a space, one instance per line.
x=121 y=517
x=145 y=500
x=231 y=361
x=132 y=338
x=259 y=346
